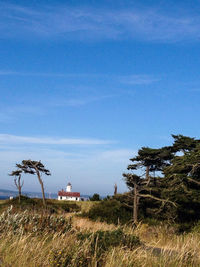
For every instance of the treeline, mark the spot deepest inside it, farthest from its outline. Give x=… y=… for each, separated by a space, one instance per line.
x=164 y=184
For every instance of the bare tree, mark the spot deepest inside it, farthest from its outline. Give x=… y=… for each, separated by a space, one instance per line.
x=115 y=189
x=17 y=180
x=35 y=167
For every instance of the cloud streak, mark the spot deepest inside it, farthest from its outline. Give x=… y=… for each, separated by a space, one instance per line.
x=88 y=23
x=138 y=79
x=132 y=79
x=14 y=139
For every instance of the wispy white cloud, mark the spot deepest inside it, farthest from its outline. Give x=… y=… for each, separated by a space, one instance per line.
x=5 y=73
x=77 y=102
x=79 y=95
x=117 y=155
x=138 y=79
x=45 y=74
x=9 y=113
x=131 y=79
x=14 y=139
x=87 y=23
x=13 y=112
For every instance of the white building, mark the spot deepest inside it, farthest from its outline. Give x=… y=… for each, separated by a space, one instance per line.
x=68 y=194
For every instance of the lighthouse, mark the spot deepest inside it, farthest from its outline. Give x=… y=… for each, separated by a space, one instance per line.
x=68 y=194
x=69 y=187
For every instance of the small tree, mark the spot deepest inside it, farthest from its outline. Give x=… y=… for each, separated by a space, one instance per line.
x=35 y=167
x=95 y=197
x=17 y=180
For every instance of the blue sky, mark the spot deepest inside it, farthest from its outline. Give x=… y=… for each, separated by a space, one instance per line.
x=84 y=84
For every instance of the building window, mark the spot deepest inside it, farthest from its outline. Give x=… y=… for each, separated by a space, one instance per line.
x=60 y=197
x=76 y=198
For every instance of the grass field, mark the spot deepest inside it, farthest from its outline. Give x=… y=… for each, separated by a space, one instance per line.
x=53 y=205
x=29 y=238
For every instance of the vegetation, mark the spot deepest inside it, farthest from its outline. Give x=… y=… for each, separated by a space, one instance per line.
x=23 y=222
x=110 y=211
x=17 y=180
x=36 y=205
x=35 y=167
x=95 y=197
x=164 y=183
x=155 y=223
x=35 y=239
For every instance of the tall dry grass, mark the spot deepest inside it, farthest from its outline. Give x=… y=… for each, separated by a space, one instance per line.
x=160 y=247
x=27 y=250
x=86 y=224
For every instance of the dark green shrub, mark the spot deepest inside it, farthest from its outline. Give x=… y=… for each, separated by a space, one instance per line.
x=184 y=228
x=102 y=241
x=95 y=197
x=196 y=227
x=151 y=221
x=110 y=211
x=90 y=245
x=36 y=204
x=67 y=258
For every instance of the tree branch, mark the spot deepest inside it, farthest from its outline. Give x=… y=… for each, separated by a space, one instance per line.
x=156 y=198
x=15 y=180
x=127 y=205
x=194 y=181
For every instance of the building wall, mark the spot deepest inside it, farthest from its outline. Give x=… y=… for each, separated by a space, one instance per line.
x=69 y=188
x=69 y=198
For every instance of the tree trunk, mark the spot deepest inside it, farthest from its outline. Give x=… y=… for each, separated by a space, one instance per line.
x=115 y=191
x=20 y=194
x=135 y=204
x=19 y=188
x=42 y=187
x=147 y=174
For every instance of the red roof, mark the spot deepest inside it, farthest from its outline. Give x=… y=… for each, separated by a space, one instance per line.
x=68 y=194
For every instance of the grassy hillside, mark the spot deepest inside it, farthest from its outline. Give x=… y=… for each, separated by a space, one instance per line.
x=58 y=237
x=35 y=204
x=80 y=242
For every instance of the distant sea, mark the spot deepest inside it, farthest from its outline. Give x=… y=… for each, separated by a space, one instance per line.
x=6 y=194
x=4 y=197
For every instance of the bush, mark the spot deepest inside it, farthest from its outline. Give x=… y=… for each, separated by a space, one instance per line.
x=22 y=222
x=196 y=228
x=110 y=211
x=74 y=256
x=95 y=197
x=101 y=241
x=35 y=204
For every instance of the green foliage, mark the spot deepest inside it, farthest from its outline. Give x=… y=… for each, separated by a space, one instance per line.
x=102 y=241
x=95 y=197
x=32 y=167
x=177 y=190
x=184 y=143
x=23 y=222
x=72 y=257
x=95 y=246
x=196 y=228
x=154 y=158
x=35 y=204
x=183 y=176
x=110 y=211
